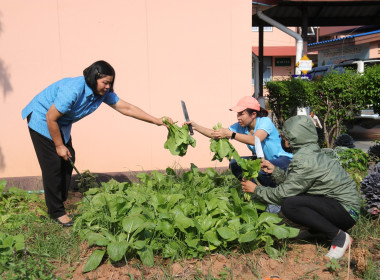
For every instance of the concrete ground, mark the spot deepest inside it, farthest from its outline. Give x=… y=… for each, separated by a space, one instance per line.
x=363 y=145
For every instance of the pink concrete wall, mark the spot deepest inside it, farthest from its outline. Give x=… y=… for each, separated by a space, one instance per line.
x=374 y=49
x=162 y=50
x=283 y=72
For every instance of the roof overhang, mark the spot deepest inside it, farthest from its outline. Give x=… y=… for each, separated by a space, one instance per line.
x=277 y=50
x=346 y=41
x=318 y=13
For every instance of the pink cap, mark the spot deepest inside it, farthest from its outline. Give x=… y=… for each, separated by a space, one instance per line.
x=247 y=102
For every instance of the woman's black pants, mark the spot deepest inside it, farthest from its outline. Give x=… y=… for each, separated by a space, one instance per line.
x=318 y=213
x=56 y=173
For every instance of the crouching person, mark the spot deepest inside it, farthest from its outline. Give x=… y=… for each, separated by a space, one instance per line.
x=315 y=191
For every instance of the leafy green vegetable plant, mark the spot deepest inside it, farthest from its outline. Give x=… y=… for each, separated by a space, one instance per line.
x=353 y=159
x=174 y=216
x=178 y=139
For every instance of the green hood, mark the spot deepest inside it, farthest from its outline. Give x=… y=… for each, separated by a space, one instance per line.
x=300 y=131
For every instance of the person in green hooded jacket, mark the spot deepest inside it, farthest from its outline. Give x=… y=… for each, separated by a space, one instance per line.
x=315 y=191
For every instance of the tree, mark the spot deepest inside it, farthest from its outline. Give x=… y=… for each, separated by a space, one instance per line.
x=286 y=95
x=336 y=100
x=369 y=87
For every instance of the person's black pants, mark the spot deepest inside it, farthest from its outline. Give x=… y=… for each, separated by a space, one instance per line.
x=56 y=173
x=320 y=214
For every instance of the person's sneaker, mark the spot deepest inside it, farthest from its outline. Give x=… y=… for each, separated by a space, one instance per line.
x=337 y=252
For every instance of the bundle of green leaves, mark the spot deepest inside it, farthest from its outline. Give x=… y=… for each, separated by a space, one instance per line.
x=222 y=148
x=178 y=139
x=250 y=167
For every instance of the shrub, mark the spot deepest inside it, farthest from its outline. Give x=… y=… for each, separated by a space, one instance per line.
x=370 y=189
x=344 y=140
x=369 y=87
x=286 y=95
x=374 y=152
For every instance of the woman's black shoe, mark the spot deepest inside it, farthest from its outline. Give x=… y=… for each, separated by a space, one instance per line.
x=68 y=224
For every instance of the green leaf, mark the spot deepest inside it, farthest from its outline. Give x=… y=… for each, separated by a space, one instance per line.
x=227 y=233
x=139 y=244
x=224 y=148
x=131 y=223
x=173 y=199
x=8 y=241
x=205 y=223
x=212 y=237
x=171 y=249
x=178 y=139
x=235 y=197
x=146 y=256
x=166 y=227
x=94 y=260
x=116 y=250
x=19 y=242
x=97 y=238
x=293 y=232
x=272 y=252
x=92 y=191
x=182 y=221
x=247 y=237
x=279 y=232
x=116 y=205
x=213 y=203
x=193 y=243
x=234 y=223
x=249 y=214
x=269 y=218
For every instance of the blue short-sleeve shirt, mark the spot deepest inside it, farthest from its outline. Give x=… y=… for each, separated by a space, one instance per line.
x=72 y=97
x=272 y=143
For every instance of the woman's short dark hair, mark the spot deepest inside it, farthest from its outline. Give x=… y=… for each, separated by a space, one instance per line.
x=261 y=113
x=98 y=70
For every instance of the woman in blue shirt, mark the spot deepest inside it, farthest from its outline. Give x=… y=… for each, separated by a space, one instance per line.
x=252 y=121
x=50 y=116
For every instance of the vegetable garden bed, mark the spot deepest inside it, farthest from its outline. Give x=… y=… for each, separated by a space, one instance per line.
x=185 y=248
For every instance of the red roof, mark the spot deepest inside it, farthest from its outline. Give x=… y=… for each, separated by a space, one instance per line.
x=277 y=51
